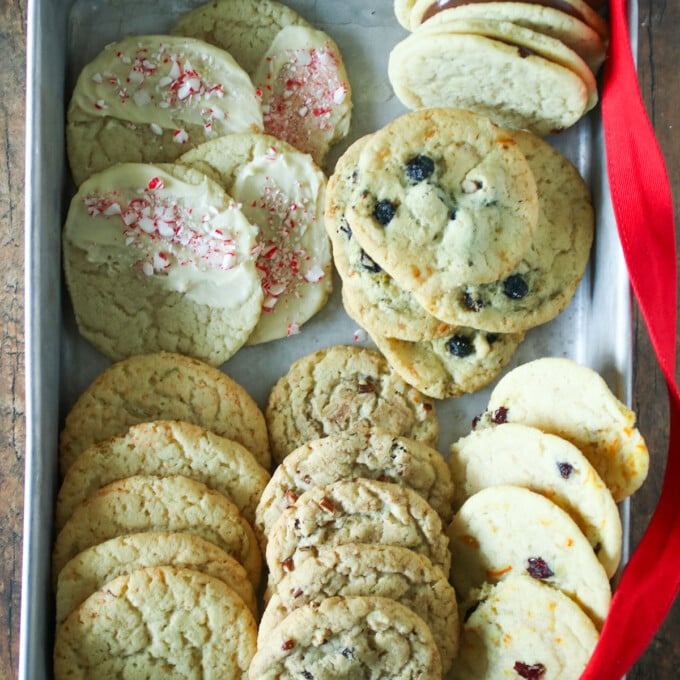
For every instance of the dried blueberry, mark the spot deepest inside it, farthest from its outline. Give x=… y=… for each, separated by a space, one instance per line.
x=307 y=675
x=565 y=469
x=515 y=287
x=368 y=263
x=533 y=672
x=474 y=304
x=347 y=652
x=491 y=338
x=460 y=346
x=538 y=568
x=346 y=229
x=419 y=168
x=452 y=214
x=384 y=212
x=500 y=415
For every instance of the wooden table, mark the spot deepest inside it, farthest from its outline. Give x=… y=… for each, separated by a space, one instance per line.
x=659 y=56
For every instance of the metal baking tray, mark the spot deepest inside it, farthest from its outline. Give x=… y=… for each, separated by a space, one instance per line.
x=63 y=36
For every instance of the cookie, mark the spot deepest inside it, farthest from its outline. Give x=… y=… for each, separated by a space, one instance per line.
x=371 y=570
x=148 y=99
x=447 y=69
x=143 y=503
x=340 y=387
x=158 y=622
x=370 y=295
x=463 y=361
x=403 y=10
x=244 y=28
x=281 y=191
x=565 y=398
x=356 y=511
x=159 y=257
x=369 y=453
x=443 y=197
x=563 y=23
x=91 y=569
x=520 y=628
x=348 y=637
x=506 y=530
x=163 y=386
x=546 y=279
x=306 y=94
x=164 y=448
x=524 y=456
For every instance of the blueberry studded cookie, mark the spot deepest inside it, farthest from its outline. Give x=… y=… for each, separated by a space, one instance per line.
x=570 y=400
x=506 y=530
x=148 y=99
x=369 y=453
x=163 y=386
x=340 y=387
x=354 y=511
x=91 y=569
x=158 y=622
x=145 y=503
x=281 y=190
x=443 y=197
x=371 y=570
x=166 y=448
x=159 y=257
x=520 y=628
x=363 y=637
x=524 y=456
x=244 y=28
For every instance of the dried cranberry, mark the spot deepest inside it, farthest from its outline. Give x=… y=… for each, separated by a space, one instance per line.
x=533 y=672
x=419 y=168
x=365 y=386
x=288 y=645
x=500 y=415
x=367 y=263
x=538 y=568
x=384 y=212
x=475 y=422
x=565 y=469
x=460 y=346
x=515 y=287
x=474 y=304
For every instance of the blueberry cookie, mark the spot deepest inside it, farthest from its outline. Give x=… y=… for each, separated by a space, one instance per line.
x=354 y=511
x=159 y=257
x=280 y=190
x=505 y=530
x=148 y=99
x=562 y=397
x=521 y=628
x=524 y=456
x=340 y=387
x=163 y=386
x=369 y=453
x=371 y=570
x=443 y=197
x=349 y=637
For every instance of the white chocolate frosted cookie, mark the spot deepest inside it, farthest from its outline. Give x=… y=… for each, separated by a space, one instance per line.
x=505 y=530
x=341 y=387
x=159 y=257
x=281 y=190
x=306 y=95
x=562 y=397
x=372 y=638
x=150 y=98
x=244 y=28
x=524 y=456
x=520 y=628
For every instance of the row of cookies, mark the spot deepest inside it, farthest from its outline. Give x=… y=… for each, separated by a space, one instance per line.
x=537 y=530
x=525 y=65
x=164 y=459
x=453 y=237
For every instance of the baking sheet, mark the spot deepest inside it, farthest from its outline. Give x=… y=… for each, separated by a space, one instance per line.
x=62 y=37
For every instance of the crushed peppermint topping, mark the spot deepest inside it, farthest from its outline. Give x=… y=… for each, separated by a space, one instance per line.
x=161 y=229
x=360 y=335
x=180 y=137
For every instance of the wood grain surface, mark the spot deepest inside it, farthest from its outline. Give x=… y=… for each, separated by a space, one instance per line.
x=658 y=59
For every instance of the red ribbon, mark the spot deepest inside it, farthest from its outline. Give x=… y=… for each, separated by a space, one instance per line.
x=643 y=208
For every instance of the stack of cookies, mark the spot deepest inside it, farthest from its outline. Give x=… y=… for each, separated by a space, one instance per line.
x=536 y=534
x=525 y=65
x=204 y=251
x=164 y=460
x=453 y=237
